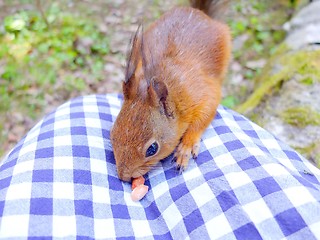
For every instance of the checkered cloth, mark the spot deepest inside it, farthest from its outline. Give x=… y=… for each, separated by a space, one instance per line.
x=60 y=181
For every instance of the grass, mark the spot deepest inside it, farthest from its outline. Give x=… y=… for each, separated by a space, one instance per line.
x=40 y=52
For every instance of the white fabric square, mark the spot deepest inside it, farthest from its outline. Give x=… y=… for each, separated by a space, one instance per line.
x=95 y=141
x=64 y=162
x=104 y=229
x=90 y=108
x=19 y=191
x=315 y=228
x=299 y=196
x=191 y=173
x=172 y=216
x=258 y=211
x=64 y=140
x=218 y=227
x=237 y=179
x=100 y=195
x=14 y=226
x=160 y=189
x=64 y=226
x=255 y=151
x=60 y=124
x=63 y=110
x=274 y=169
x=98 y=166
x=141 y=228
x=28 y=148
x=271 y=143
x=224 y=160
x=202 y=194
x=22 y=167
x=93 y=123
x=212 y=142
x=63 y=190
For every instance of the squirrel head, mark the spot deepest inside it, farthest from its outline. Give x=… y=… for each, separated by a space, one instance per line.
x=145 y=130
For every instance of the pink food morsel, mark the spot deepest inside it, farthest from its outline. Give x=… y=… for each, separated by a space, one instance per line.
x=139 y=190
x=137 y=181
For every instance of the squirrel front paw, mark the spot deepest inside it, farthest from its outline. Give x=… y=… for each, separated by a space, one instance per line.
x=184 y=153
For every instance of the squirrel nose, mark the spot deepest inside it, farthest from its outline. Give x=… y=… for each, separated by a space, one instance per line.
x=124 y=176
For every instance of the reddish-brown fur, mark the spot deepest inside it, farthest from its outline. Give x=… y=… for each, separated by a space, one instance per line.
x=172 y=89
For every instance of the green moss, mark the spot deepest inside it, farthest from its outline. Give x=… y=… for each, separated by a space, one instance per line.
x=304 y=63
x=310 y=152
x=301 y=116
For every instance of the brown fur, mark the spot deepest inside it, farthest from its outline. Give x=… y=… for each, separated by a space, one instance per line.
x=172 y=89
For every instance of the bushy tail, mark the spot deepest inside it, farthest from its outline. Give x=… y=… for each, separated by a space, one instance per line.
x=214 y=8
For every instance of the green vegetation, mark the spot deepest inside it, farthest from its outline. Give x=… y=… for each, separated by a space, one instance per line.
x=257 y=28
x=40 y=55
x=301 y=116
x=304 y=64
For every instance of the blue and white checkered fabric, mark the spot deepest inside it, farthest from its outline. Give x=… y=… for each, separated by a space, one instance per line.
x=60 y=181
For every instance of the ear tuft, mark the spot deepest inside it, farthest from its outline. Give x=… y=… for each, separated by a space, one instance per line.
x=133 y=58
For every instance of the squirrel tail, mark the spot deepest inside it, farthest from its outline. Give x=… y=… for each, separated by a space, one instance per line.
x=216 y=9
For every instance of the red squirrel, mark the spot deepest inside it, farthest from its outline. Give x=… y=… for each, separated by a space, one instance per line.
x=172 y=88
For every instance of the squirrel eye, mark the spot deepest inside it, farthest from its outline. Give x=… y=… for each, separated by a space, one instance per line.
x=152 y=149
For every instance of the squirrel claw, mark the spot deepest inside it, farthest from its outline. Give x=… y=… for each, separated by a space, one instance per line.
x=182 y=156
x=195 y=151
x=180 y=169
x=184 y=153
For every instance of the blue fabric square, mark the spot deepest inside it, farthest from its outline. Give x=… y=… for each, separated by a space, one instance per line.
x=106 y=117
x=80 y=151
x=167 y=235
x=249 y=163
x=227 y=200
x=45 y=135
x=247 y=231
x=222 y=130
x=171 y=172
x=82 y=177
x=213 y=174
x=264 y=149
x=5 y=182
x=152 y=211
x=78 y=131
x=193 y=220
x=267 y=186
x=39 y=238
x=252 y=133
x=75 y=115
x=234 y=145
x=239 y=118
x=110 y=157
x=120 y=211
x=178 y=191
x=1 y=207
x=290 y=221
x=45 y=175
x=41 y=206
x=8 y=164
x=115 y=183
x=49 y=121
x=84 y=208
x=44 y=152
x=292 y=155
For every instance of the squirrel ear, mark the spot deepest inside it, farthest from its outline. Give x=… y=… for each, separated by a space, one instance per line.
x=159 y=92
x=130 y=82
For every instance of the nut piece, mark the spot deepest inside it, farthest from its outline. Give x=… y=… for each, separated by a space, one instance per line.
x=139 y=192
x=137 y=181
